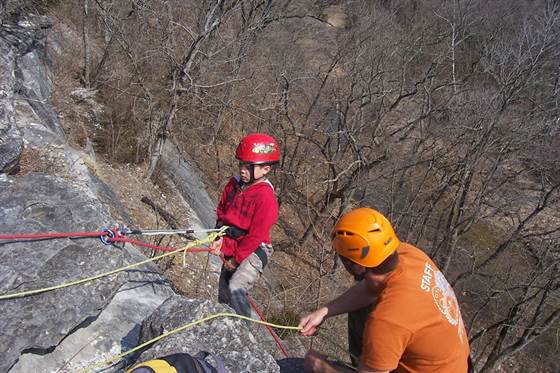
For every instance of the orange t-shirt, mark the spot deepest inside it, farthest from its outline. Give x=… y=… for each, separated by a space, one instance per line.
x=416 y=326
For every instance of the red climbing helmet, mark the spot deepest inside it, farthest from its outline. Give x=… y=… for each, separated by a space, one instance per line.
x=258 y=148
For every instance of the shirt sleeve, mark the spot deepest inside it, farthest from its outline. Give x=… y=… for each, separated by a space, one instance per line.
x=384 y=344
x=264 y=217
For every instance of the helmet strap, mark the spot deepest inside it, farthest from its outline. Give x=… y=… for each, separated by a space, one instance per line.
x=251 y=173
x=252 y=179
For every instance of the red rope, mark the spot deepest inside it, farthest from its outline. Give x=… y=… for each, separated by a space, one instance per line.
x=271 y=331
x=38 y=236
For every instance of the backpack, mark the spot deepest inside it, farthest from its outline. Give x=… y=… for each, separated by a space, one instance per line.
x=181 y=363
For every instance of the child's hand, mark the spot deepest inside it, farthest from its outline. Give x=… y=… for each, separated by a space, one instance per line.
x=216 y=246
x=230 y=264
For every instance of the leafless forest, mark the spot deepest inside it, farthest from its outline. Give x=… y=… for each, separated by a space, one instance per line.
x=444 y=114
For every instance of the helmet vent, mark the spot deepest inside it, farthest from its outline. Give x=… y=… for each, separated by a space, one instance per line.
x=365 y=251
x=344 y=233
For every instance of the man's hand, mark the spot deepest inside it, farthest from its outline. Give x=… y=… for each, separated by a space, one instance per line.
x=309 y=323
x=216 y=247
x=230 y=264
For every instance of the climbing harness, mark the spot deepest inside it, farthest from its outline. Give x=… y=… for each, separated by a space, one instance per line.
x=184 y=327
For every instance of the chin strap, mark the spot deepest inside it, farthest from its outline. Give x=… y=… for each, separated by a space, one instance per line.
x=252 y=179
x=251 y=174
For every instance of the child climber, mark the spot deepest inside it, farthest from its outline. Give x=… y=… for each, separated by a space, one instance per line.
x=249 y=207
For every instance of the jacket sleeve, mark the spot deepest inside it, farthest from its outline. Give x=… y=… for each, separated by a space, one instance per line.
x=264 y=217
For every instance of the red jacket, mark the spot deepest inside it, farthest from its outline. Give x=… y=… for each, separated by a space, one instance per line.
x=253 y=209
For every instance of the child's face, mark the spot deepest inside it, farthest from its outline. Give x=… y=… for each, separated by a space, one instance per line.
x=245 y=171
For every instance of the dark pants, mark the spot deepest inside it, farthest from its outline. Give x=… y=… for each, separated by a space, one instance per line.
x=356 y=325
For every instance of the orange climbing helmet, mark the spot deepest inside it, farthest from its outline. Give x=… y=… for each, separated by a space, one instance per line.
x=365 y=237
x=258 y=148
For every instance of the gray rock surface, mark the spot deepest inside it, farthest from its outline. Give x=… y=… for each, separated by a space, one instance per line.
x=11 y=144
x=228 y=338
x=116 y=329
x=33 y=71
x=37 y=324
x=172 y=168
x=66 y=328
x=87 y=97
x=25 y=86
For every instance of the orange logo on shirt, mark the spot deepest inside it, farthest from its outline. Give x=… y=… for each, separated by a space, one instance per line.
x=444 y=296
x=445 y=299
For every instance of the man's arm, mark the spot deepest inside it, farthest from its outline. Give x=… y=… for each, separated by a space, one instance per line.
x=358 y=296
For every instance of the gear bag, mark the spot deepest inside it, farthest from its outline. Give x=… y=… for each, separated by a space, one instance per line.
x=181 y=363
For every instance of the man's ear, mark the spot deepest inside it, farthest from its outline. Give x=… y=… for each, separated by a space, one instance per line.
x=266 y=169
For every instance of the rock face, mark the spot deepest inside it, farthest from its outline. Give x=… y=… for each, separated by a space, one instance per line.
x=229 y=338
x=171 y=168
x=73 y=328
x=11 y=144
x=36 y=325
x=64 y=328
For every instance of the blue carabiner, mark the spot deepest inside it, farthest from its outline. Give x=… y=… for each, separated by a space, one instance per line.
x=105 y=238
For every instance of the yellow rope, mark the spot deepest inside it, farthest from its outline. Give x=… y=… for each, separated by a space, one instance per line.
x=186 y=326
x=211 y=237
